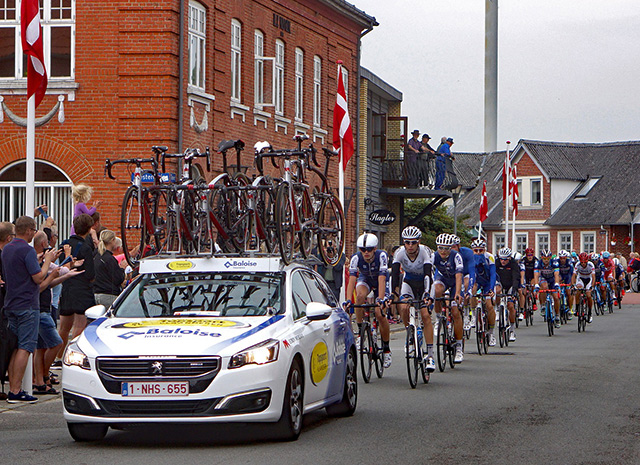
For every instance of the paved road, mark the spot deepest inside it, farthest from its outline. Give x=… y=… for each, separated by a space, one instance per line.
x=570 y=399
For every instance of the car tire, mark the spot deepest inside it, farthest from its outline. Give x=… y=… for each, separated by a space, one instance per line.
x=347 y=406
x=289 y=426
x=87 y=432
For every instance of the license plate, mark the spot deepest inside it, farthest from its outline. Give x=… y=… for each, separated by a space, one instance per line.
x=152 y=389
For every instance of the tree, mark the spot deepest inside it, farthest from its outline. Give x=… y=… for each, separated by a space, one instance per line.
x=438 y=221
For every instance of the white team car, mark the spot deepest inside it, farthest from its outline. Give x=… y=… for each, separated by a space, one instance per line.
x=212 y=340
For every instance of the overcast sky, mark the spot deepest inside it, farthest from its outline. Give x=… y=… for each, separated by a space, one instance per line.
x=568 y=70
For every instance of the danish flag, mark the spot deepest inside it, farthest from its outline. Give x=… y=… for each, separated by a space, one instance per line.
x=31 y=33
x=342 y=132
x=484 y=206
x=514 y=189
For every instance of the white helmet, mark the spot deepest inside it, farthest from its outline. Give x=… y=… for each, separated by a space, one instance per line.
x=478 y=244
x=411 y=232
x=444 y=239
x=563 y=253
x=367 y=240
x=504 y=252
x=456 y=240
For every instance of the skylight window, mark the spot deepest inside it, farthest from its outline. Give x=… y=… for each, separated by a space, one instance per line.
x=587 y=186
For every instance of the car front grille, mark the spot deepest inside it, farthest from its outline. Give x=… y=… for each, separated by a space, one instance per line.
x=157 y=408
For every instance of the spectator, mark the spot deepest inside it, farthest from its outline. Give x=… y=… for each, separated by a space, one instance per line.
x=49 y=341
x=22 y=300
x=81 y=194
x=333 y=275
x=109 y=273
x=426 y=157
x=444 y=151
x=96 y=229
x=77 y=292
x=622 y=260
x=8 y=340
x=52 y=235
x=413 y=152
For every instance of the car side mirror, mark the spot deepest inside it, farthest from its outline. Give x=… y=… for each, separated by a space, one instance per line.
x=95 y=312
x=318 y=311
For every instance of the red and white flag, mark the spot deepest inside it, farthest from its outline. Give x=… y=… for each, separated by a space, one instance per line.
x=342 y=132
x=514 y=190
x=31 y=33
x=506 y=184
x=484 y=206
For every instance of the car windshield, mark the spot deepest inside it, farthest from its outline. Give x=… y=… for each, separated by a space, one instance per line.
x=220 y=294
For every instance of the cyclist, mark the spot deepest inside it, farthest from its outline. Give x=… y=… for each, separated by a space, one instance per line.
x=547 y=276
x=508 y=282
x=447 y=275
x=417 y=262
x=621 y=276
x=609 y=273
x=485 y=269
x=584 y=277
x=565 y=267
x=468 y=276
x=368 y=273
x=527 y=273
x=597 y=263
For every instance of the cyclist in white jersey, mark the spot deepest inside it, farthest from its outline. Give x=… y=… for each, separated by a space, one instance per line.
x=416 y=261
x=584 y=276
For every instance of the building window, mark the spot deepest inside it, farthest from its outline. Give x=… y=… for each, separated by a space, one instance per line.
x=236 y=53
x=536 y=192
x=565 y=240
x=589 y=242
x=317 y=90
x=521 y=243
x=519 y=184
x=197 y=40
x=542 y=242
x=279 y=78
x=58 y=29
x=498 y=242
x=258 y=78
x=299 y=76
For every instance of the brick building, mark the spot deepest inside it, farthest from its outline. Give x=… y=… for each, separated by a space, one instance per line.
x=181 y=73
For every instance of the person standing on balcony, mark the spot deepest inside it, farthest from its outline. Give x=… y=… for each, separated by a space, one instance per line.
x=414 y=148
x=427 y=155
x=444 y=151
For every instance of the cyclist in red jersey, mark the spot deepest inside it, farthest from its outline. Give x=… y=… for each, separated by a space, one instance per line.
x=609 y=272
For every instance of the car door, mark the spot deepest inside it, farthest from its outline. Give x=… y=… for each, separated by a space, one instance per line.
x=315 y=338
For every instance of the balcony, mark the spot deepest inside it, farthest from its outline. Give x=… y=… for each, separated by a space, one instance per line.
x=397 y=173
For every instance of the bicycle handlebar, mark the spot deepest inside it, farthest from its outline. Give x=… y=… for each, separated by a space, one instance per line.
x=108 y=164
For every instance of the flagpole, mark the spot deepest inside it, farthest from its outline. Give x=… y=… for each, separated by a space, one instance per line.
x=507 y=173
x=513 y=233
x=31 y=149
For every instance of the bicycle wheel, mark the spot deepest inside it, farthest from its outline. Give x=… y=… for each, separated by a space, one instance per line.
x=451 y=344
x=379 y=357
x=634 y=283
x=501 y=326
x=307 y=220
x=285 y=223
x=366 y=352
x=411 y=356
x=423 y=367
x=330 y=230
x=132 y=227
x=549 y=317
x=530 y=311
x=220 y=207
x=266 y=211
x=580 y=315
x=609 y=300
x=507 y=326
x=441 y=339
x=158 y=206
x=480 y=334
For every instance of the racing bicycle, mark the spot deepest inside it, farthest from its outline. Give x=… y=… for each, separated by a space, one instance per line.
x=415 y=345
x=371 y=352
x=445 y=337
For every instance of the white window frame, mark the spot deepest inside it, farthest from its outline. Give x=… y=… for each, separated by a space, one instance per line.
x=583 y=242
x=317 y=91
x=517 y=244
x=197 y=44
x=258 y=74
x=498 y=242
x=539 y=235
x=536 y=180
x=278 y=78
x=48 y=22
x=570 y=234
x=236 y=60
x=299 y=88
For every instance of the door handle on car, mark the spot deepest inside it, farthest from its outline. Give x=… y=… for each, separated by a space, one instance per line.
x=327 y=328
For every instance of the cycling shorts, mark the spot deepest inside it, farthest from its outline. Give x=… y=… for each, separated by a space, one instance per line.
x=412 y=289
x=583 y=283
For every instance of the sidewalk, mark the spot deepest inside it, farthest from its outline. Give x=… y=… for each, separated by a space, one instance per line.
x=7 y=407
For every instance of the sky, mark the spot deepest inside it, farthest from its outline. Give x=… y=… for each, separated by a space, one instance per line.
x=568 y=70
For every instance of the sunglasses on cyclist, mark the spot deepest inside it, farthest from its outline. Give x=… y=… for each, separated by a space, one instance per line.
x=366 y=249
x=478 y=250
x=411 y=242
x=443 y=247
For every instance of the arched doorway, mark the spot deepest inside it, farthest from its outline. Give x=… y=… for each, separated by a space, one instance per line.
x=52 y=187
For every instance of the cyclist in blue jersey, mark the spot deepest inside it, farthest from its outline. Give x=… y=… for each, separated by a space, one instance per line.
x=447 y=275
x=485 y=268
x=368 y=273
x=565 y=267
x=547 y=276
x=468 y=277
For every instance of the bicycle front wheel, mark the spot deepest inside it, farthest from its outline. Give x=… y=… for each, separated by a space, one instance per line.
x=501 y=327
x=442 y=344
x=285 y=224
x=330 y=230
x=411 y=356
x=132 y=227
x=366 y=352
x=549 y=320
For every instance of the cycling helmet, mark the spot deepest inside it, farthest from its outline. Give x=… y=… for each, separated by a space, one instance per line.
x=411 y=232
x=546 y=253
x=456 y=240
x=444 y=239
x=574 y=254
x=504 y=252
x=595 y=256
x=478 y=244
x=367 y=240
x=606 y=254
x=518 y=256
x=563 y=253
x=583 y=257
x=529 y=250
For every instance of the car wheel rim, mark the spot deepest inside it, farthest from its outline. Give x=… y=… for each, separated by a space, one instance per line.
x=351 y=383
x=296 y=400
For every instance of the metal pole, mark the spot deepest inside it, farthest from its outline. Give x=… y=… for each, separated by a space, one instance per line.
x=491 y=76
x=632 y=245
x=455 y=214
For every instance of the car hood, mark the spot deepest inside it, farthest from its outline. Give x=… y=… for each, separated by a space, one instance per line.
x=176 y=336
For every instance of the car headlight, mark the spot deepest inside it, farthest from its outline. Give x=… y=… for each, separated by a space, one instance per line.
x=73 y=356
x=262 y=353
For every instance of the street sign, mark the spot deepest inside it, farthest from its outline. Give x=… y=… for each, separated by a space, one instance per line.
x=147 y=177
x=382 y=217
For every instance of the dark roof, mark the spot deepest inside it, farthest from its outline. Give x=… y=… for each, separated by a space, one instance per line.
x=467 y=167
x=351 y=11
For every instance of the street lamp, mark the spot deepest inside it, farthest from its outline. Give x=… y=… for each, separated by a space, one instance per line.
x=456 y=194
x=632 y=211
